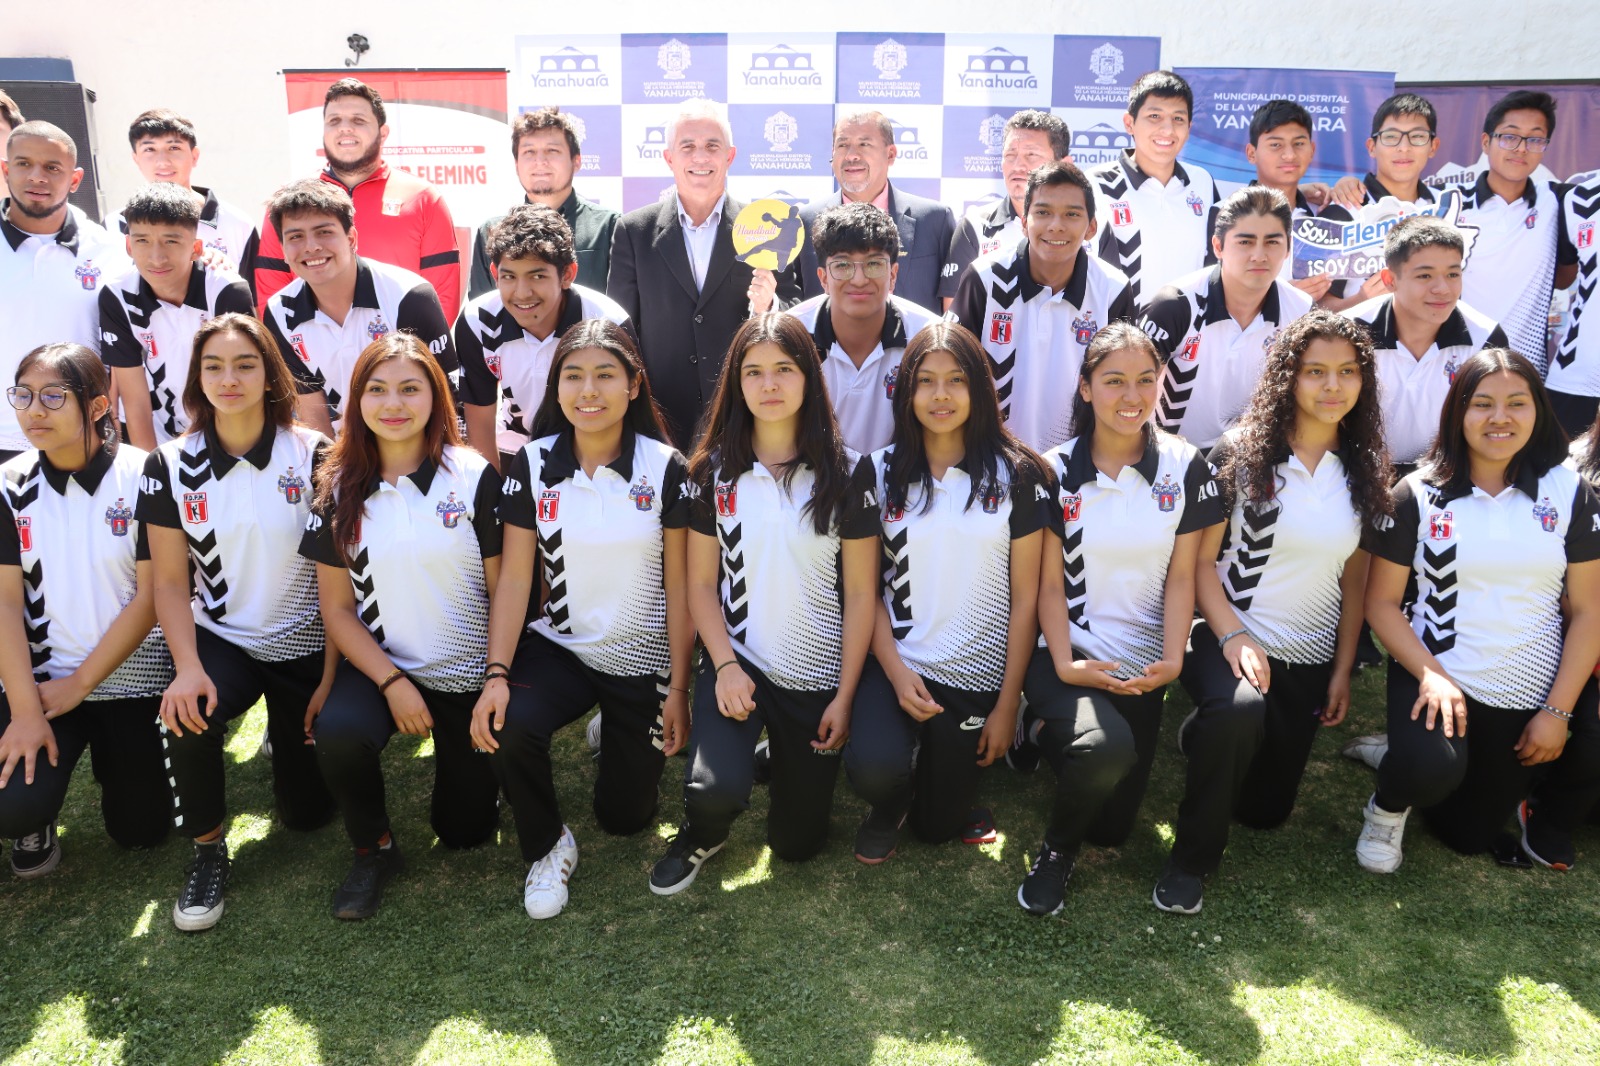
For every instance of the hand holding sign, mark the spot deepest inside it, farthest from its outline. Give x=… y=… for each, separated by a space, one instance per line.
x=767 y=235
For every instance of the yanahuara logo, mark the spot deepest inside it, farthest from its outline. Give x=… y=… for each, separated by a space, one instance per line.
x=1105 y=63
x=908 y=143
x=780 y=131
x=570 y=68
x=781 y=66
x=673 y=59
x=890 y=59
x=992 y=134
x=675 y=83
x=997 y=68
x=655 y=139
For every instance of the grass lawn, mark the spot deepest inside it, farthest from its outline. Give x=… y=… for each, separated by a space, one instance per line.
x=1299 y=956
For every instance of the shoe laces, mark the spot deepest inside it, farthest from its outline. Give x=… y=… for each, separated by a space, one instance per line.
x=206 y=872
x=542 y=875
x=1049 y=861
x=34 y=841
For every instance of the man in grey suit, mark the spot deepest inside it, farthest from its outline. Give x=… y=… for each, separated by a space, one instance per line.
x=863 y=152
x=673 y=271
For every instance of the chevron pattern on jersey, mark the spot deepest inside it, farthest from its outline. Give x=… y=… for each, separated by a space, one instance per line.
x=1255 y=545
x=1077 y=587
x=194 y=470
x=35 y=620
x=1177 y=384
x=163 y=402
x=894 y=549
x=1004 y=288
x=736 y=608
x=361 y=580
x=1439 y=605
x=557 y=608
x=208 y=576
x=1585 y=204
x=1130 y=260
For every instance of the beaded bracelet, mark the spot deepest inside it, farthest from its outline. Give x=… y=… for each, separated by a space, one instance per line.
x=1236 y=633
x=1556 y=712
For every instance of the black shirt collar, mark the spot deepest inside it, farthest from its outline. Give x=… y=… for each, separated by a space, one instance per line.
x=259 y=455
x=1526 y=482
x=1385 y=330
x=67 y=236
x=421 y=477
x=1376 y=190
x=1137 y=177
x=211 y=208
x=89 y=477
x=1482 y=194
x=893 y=335
x=1300 y=202
x=560 y=460
x=1217 y=304
x=1077 y=285
x=1081 y=468
x=302 y=306
x=195 y=296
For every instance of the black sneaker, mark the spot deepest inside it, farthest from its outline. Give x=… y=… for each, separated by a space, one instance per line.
x=1547 y=847
x=877 y=837
x=980 y=828
x=1044 y=890
x=199 y=905
x=677 y=869
x=763 y=763
x=363 y=886
x=36 y=854
x=1179 y=891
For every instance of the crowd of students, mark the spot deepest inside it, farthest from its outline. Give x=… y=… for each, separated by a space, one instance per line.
x=1118 y=446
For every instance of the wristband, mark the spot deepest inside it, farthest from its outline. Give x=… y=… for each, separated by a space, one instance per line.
x=1236 y=633
x=1556 y=712
x=674 y=688
x=394 y=675
x=497 y=676
x=491 y=666
x=724 y=666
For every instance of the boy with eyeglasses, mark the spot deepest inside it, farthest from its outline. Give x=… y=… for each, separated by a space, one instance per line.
x=859 y=326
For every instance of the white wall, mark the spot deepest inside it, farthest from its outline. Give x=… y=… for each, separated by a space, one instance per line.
x=217 y=61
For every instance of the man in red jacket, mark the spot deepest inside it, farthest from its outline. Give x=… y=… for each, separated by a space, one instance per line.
x=403 y=220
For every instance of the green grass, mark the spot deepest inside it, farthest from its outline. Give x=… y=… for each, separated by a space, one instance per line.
x=1298 y=956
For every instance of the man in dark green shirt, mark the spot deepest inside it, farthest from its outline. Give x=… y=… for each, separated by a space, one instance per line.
x=544 y=144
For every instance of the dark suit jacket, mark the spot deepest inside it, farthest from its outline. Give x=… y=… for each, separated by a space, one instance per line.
x=925 y=226
x=683 y=334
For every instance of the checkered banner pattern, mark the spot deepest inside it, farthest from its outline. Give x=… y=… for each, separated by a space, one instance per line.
x=948 y=96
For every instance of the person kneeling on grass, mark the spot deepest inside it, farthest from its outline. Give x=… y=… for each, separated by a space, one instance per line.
x=594 y=506
x=964 y=504
x=1491 y=528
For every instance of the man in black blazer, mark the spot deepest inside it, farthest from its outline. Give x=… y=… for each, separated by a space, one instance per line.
x=863 y=150
x=673 y=271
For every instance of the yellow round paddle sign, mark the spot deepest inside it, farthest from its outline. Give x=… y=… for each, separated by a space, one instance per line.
x=767 y=234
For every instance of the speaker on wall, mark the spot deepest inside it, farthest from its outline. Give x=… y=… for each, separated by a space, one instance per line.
x=70 y=105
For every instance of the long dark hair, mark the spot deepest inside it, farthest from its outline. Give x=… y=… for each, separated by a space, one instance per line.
x=643 y=416
x=352 y=463
x=1588 y=454
x=1117 y=337
x=989 y=445
x=1263 y=432
x=1448 y=463
x=726 y=439
x=280 y=396
x=83 y=374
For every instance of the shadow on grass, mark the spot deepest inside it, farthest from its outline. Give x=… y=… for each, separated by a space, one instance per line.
x=926 y=958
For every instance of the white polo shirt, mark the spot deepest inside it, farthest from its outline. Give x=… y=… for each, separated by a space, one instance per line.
x=1213 y=365
x=139 y=329
x=863 y=397
x=1281 y=563
x=78 y=542
x=948 y=559
x=1411 y=389
x=223 y=229
x=243 y=518
x=1153 y=233
x=322 y=353
x=1116 y=543
x=1575 y=370
x=600 y=543
x=1489 y=572
x=780 y=580
x=505 y=366
x=1035 y=338
x=49 y=293
x=980 y=231
x=417 y=567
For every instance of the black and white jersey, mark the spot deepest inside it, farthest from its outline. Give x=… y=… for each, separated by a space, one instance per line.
x=1116 y=543
x=1489 y=573
x=243 y=518
x=1412 y=387
x=982 y=230
x=139 y=329
x=322 y=353
x=1512 y=271
x=600 y=543
x=417 y=567
x=780 y=581
x=78 y=541
x=1281 y=563
x=1213 y=365
x=948 y=571
x=863 y=397
x=1035 y=338
x=1575 y=370
x=504 y=366
x=1153 y=233
x=49 y=293
x=224 y=230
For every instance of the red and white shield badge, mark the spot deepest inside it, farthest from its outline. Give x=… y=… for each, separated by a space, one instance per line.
x=1441 y=525
x=549 y=503
x=194 y=508
x=1000 y=327
x=25 y=533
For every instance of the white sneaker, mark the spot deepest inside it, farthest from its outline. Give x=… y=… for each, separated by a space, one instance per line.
x=1378 y=846
x=1368 y=750
x=545 y=893
x=593 y=733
